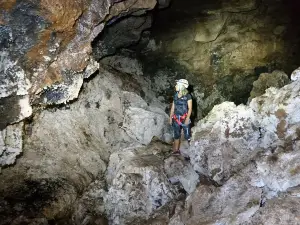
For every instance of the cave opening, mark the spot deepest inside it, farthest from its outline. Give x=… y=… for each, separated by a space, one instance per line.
x=221 y=47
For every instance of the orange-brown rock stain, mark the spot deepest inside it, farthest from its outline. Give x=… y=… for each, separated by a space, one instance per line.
x=7 y=4
x=282 y=125
x=62 y=17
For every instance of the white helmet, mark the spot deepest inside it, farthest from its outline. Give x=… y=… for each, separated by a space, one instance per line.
x=183 y=82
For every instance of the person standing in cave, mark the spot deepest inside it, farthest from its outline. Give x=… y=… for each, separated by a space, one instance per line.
x=181 y=110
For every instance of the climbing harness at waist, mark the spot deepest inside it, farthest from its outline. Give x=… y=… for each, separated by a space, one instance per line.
x=179 y=119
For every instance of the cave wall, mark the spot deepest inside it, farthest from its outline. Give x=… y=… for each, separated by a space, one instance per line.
x=45 y=49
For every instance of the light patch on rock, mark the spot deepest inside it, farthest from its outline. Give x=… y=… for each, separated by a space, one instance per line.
x=224 y=141
x=181 y=171
x=25 y=108
x=295 y=75
x=11 y=142
x=91 y=68
x=13 y=77
x=142 y=125
x=210 y=29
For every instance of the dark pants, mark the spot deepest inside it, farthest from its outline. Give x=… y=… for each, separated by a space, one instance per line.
x=177 y=130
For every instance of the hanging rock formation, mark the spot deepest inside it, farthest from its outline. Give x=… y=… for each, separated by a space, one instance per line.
x=46 y=49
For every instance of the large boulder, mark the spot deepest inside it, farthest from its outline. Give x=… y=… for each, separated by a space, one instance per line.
x=233 y=203
x=67 y=148
x=225 y=141
x=275 y=79
x=138 y=188
x=283 y=211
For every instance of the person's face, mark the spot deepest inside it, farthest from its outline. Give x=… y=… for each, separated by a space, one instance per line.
x=177 y=87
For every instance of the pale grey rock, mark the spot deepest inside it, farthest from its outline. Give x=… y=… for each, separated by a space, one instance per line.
x=11 y=144
x=13 y=77
x=143 y=121
x=179 y=170
x=282 y=210
x=143 y=125
x=224 y=141
x=279 y=117
x=67 y=148
x=295 y=75
x=14 y=87
x=138 y=186
x=233 y=203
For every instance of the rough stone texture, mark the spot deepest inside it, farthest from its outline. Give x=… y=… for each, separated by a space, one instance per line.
x=127 y=7
x=14 y=86
x=233 y=203
x=223 y=46
x=122 y=34
x=181 y=171
x=283 y=210
x=68 y=147
x=14 y=109
x=275 y=79
x=11 y=144
x=279 y=117
x=138 y=186
x=225 y=141
x=46 y=49
x=295 y=75
x=90 y=207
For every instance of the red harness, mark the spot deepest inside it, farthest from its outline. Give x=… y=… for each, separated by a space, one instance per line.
x=180 y=119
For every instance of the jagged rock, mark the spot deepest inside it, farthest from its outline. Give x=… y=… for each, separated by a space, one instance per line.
x=124 y=64
x=126 y=7
x=181 y=171
x=233 y=203
x=11 y=144
x=283 y=211
x=69 y=146
x=275 y=79
x=279 y=117
x=225 y=141
x=142 y=125
x=46 y=47
x=90 y=207
x=114 y=38
x=138 y=186
x=295 y=75
x=14 y=88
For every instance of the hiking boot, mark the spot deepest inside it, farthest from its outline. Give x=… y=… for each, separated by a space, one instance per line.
x=189 y=142
x=176 y=152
